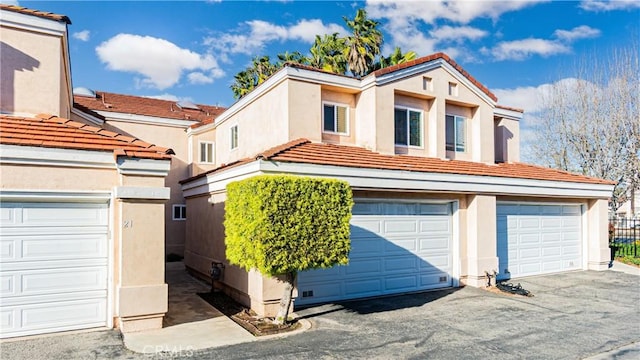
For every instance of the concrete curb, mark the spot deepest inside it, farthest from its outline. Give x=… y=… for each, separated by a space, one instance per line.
x=627 y=269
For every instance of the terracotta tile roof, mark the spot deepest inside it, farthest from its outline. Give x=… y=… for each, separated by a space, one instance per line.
x=139 y=105
x=304 y=151
x=436 y=56
x=510 y=108
x=41 y=14
x=51 y=131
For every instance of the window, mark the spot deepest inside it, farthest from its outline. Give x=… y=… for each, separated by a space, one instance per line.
x=179 y=212
x=234 y=137
x=456 y=133
x=408 y=127
x=335 y=118
x=206 y=152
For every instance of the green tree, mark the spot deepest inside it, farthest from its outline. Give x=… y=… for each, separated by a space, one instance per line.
x=396 y=58
x=292 y=57
x=327 y=53
x=281 y=224
x=248 y=79
x=363 y=45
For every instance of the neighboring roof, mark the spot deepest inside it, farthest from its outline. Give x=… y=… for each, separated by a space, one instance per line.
x=304 y=151
x=41 y=14
x=436 y=56
x=139 y=105
x=510 y=108
x=54 y=132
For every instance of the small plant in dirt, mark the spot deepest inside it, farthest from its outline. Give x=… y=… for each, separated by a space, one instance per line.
x=281 y=224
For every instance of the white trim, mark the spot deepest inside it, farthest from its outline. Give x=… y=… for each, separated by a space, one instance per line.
x=190 y=149
x=218 y=181
x=213 y=152
x=422 y=137
x=135 y=166
x=456 y=268
x=145 y=193
x=90 y=118
x=145 y=119
x=335 y=118
x=507 y=114
x=33 y=23
x=31 y=155
x=585 y=236
x=364 y=178
x=111 y=263
x=32 y=195
x=173 y=212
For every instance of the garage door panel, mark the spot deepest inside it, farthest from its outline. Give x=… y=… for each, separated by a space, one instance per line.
x=527 y=239
x=436 y=263
x=552 y=237
x=364 y=266
x=66 y=247
x=9 y=215
x=365 y=228
x=571 y=250
x=434 y=226
x=400 y=227
x=552 y=251
x=68 y=215
x=529 y=223
x=552 y=266
x=36 y=282
x=434 y=244
x=400 y=263
x=551 y=223
x=401 y=283
x=366 y=247
x=361 y=288
x=433 y=280
x=400 y=246
x=531 y=253
x=7 y=249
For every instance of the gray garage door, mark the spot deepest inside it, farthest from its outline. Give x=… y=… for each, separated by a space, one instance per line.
x=538 y=239
x=396 y=247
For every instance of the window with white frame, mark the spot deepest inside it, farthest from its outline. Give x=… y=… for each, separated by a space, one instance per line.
x=207 y=152
x=408 y=127
x=335 y=118
x=233 y=136
x=179 y=212
x=456 y=133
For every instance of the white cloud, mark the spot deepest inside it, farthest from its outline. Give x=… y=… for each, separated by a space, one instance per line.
x=199 y=78
x=528 y=98
x=10 y=2
x=598 y=5
x=253 y=35
x=160 y=62
x=580 y=32
x=525 y=48
x=82 y=35
x=463 y=12
x=459 y=33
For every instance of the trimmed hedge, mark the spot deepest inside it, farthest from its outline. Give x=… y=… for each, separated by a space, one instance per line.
x=282 y=224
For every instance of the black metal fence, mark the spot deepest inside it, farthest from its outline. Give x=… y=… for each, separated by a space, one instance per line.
x=624 y=237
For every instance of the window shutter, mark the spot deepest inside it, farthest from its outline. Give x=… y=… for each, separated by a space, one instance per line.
x=341 y=119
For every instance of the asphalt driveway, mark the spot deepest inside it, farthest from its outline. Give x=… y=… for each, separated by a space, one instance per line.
x=571 y=316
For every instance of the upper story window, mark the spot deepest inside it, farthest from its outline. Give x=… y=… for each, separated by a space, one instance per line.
x=207 y=152
x=233 y=137
x=456 y=133
x=335 y=118
x=179 y=212
x=408 y=127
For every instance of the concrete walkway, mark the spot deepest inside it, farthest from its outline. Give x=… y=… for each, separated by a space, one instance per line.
x=191 y=323
x=627 y=269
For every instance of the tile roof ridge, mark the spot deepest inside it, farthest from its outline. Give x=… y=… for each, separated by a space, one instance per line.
x=38 y=13
x=510 y=108
x=281 y=148
x=564 y=172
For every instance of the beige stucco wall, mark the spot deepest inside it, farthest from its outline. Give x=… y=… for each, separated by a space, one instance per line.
x=195 y=167
x=32 y=68
x=507 y=140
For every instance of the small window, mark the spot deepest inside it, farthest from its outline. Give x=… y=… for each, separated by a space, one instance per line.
x=453 y=89
x=179 y=212
x=456 y=133
x=206 y=152
x=234 y=137
x=335 y=119
x=408 y=127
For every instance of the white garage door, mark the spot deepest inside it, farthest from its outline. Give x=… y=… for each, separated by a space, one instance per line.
x=395 y=248
x=538 y=239
x=54 y=267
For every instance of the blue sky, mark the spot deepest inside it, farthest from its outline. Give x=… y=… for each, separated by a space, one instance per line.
x=192 y=49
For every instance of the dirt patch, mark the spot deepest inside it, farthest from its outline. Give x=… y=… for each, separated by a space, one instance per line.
x=246 y=317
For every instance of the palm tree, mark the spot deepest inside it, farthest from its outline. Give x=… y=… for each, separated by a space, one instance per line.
x=363 y=45
x=327 y=53
x=397 y=57
x=294 y=57
x=259 y=71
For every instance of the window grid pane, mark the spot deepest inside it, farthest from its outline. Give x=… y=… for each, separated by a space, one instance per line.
x=400 y=119
x=450 y=133
x=203 y=155
x=329 y=118
x=341 y=119
x=415 y=129
x=460 y=134
x=234 y=137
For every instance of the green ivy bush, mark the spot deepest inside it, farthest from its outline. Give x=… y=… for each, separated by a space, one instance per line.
x=282 y=224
